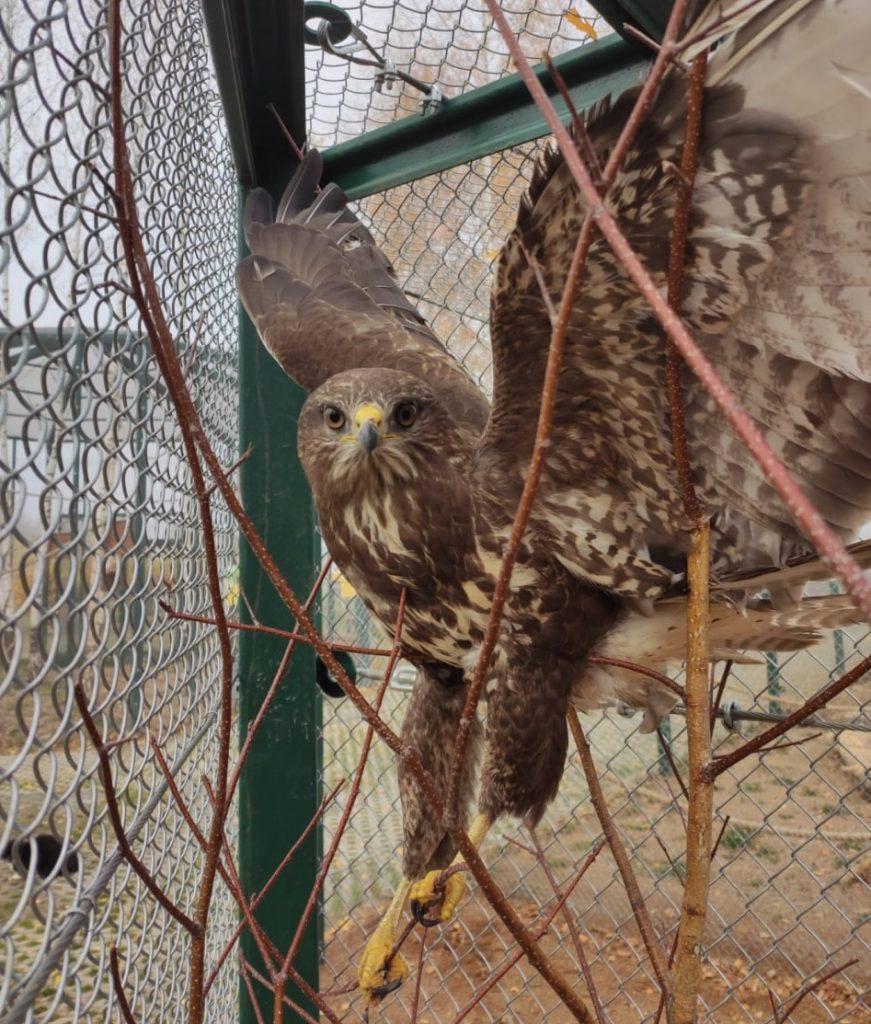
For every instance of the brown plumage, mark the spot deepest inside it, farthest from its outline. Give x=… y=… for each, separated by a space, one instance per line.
x=416 y=485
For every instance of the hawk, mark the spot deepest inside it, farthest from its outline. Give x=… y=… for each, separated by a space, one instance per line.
x=416 y=477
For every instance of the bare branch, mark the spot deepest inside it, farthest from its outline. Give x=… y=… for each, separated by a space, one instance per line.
x=135 y=863
x=819 y=700
x=118 y=986
x=285 y=634
x=783 y=1012
x=573 y=930
x=541 y=931
x=666 y=749
x=618 y=851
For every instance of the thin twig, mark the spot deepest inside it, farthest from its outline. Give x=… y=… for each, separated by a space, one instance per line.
x=418 y=978
x=180 y=801
x=718 y=696
x=666 y=749
x=285 y=131
x=114 y=813
x=540 y=931
x=320 y=878
x=264 y=943
x=785 y=1011
x=819 y=700
x=307 y=1017
x=258 y=898
x=64 y=200
x=642 y=670
x=231 y=470
x=518 y=528
x=582 y=136
x=189 y=359
x=569 y=919
x=118 y=986
x=710 y=29
x=284 y=634
x=652 y=44
x=618 y=851
x=249 y=988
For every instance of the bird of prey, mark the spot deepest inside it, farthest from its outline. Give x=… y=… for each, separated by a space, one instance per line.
x=416 y=477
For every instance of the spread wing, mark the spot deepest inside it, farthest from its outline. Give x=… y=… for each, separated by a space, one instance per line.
x=778 y=295
x=324 y=298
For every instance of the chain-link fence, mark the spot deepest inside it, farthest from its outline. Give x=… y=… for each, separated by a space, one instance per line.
x=97 y=522
x=97 y=515
x=791 y=876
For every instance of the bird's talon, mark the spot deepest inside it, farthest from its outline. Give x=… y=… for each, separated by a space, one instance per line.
x=380 y=991
x=419 y=913
x=431 y=893
x=378 y=973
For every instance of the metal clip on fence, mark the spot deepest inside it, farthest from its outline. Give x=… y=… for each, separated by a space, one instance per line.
x=333 y=26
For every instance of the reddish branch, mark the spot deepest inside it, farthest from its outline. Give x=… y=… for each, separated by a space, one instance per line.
x=665 y=746
x=118 y=985
x=541 y=931
x=256 y=627
x=281 y=975
x=618 y=851
x=569 y=919
x=642 y=670
x=521 y=519
x=258 y=898
x=191 y=926
x=148 y=302
x=551 y=377
x=783 y=1012
x=676 y=275
x=418 y=977
x=819 y=700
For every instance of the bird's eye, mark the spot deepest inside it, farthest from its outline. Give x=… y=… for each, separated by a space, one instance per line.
x=405 y=414
x=335 y=417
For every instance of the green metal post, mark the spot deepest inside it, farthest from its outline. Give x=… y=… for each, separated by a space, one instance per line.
x=258 y=58
x=278 y=793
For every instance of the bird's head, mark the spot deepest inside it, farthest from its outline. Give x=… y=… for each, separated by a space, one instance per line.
x=373 y=424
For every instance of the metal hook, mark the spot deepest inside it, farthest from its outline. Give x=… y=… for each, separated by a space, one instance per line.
x=334 y=26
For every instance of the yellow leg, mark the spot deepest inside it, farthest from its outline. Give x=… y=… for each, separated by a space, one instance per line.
x=425 y=894
x=376 y=976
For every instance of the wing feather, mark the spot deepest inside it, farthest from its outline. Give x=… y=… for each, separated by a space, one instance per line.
x=324 y=298
x=777 y=294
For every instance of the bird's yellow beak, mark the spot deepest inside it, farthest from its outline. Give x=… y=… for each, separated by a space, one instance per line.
x=368 y=423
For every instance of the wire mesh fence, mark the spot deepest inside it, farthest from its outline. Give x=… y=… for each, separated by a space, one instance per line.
x=792 y=873
x=98 y=518
x=98 y=522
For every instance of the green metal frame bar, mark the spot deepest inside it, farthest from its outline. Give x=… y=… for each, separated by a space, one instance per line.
x=649 y=15
x=258 y=57
x=494 y=117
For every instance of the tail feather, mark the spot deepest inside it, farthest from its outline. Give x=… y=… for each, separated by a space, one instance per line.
x=796 y=572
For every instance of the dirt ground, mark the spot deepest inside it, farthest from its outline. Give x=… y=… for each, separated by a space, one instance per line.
x=790 y=896
x=627 y=993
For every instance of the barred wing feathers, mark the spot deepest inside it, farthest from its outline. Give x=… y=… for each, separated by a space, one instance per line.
x=778 y=294
x=324 y=298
